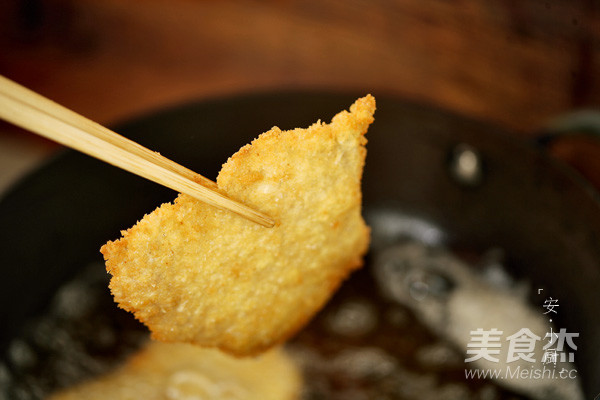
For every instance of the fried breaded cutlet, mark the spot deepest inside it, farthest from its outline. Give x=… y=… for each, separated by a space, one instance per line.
x=172 y=371
x=194 y=273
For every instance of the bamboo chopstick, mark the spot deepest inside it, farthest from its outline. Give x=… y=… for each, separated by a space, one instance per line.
x=40 y=115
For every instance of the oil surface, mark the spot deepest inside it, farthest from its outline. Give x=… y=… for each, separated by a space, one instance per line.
x=362 y=345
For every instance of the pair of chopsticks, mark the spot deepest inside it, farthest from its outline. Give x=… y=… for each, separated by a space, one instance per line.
x=40 y=115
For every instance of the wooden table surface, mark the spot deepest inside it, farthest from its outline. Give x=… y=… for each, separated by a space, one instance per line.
x=516 y=63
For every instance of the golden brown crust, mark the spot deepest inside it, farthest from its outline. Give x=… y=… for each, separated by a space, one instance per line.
x=197 y=274
x=163 y=371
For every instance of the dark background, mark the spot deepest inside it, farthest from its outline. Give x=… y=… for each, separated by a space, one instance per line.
x=516 y=63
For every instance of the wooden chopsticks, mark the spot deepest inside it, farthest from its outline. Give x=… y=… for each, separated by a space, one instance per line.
x=40 y=115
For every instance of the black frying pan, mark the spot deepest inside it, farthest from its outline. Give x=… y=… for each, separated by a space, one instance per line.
x=546 y=218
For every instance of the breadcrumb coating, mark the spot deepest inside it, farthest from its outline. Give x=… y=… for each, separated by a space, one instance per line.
x=194 y=273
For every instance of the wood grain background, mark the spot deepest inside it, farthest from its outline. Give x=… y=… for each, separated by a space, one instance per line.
x=517 y=63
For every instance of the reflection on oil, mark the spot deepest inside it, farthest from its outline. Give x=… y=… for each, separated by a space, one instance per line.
x=400 y=328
